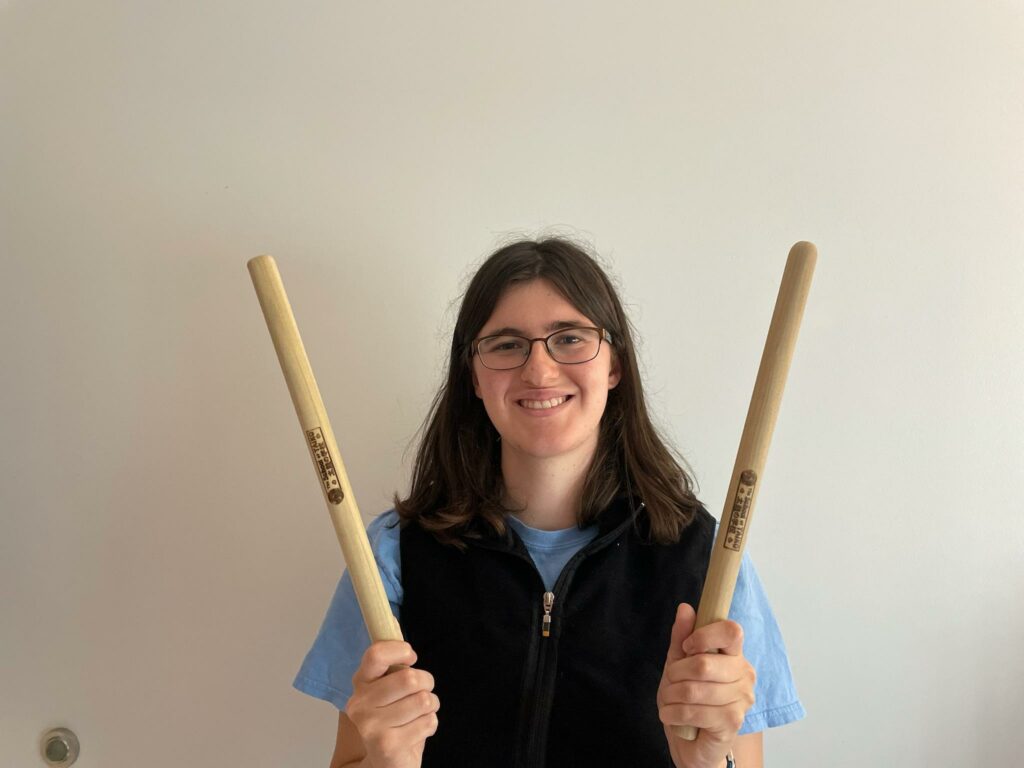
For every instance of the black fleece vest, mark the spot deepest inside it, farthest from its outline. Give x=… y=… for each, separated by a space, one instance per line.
x=583 y=696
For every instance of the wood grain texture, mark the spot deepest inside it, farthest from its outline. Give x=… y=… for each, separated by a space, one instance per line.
x=748 y=471
x=319 y=437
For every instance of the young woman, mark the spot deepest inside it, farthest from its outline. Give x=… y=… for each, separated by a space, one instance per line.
x=545 y=563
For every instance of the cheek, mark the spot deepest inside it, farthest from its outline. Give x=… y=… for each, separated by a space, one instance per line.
x=600 y=396
x=487 y=389
x=600 y=384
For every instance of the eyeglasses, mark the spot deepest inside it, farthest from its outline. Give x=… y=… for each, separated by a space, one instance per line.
x=569 y=346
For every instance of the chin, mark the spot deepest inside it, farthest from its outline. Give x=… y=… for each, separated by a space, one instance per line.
x=546 y=449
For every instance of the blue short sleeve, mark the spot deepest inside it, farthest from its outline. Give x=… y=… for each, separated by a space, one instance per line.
x=327 y=670
x=776 y=702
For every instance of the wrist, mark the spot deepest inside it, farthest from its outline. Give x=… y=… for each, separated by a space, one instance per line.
x=726 y=762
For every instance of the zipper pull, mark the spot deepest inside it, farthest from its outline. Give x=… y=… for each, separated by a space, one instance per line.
x=549 y=601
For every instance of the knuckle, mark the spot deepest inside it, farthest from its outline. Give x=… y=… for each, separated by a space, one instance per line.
x=387 y=744
x=736 y=631
x=736 y=719
x=354 y=709
x=373 y=654
x=703 y=665
x=687 y=714
x=690 y=691
x=666 y=715
x=423 y=701
x=432 y=723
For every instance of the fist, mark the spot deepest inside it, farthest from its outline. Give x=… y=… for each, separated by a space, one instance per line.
x=706 y=683
x=394 y=712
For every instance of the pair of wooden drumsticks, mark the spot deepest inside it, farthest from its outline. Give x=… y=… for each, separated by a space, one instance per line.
x=734 y=528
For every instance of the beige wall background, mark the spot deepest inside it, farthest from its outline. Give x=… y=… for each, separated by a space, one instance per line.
x=165 y=558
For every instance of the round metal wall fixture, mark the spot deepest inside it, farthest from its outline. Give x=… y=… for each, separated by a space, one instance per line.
x=59 y=747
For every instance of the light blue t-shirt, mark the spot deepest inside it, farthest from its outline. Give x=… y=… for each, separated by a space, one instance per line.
x=327 y=669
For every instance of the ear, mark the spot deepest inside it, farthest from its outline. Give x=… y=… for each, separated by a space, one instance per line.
x=615 y=374
x=476 y=381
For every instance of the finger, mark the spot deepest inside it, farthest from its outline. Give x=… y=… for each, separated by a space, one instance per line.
x=417 y=730
x=708 y=667
x=717 y=720
x=380 y=656
x=718 y=636
x=705 y=693
x=406 y=710
x=397 y=686
x=682 y=626
x=394 y=743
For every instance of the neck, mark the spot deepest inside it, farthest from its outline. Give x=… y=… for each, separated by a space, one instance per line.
x=548 y=491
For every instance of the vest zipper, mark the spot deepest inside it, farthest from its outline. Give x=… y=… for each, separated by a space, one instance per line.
x=536 y=709
x=549 y=601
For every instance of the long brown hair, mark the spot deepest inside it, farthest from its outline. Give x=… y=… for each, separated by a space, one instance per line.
x=456 y=480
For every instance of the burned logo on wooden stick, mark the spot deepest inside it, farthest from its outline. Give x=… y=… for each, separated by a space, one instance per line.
x=740 y=512
x=325 y=465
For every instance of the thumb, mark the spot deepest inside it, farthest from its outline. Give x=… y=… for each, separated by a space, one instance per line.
x=682 y=628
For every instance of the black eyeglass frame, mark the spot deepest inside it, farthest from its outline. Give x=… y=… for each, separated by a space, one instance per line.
x=603 y=335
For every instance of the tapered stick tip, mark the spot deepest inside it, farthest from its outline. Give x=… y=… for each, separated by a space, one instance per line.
x=805 y=249
x=260 y=261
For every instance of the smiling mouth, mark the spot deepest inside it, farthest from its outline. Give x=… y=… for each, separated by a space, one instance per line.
x=541 y=405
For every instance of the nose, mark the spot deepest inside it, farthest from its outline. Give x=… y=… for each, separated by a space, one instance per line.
x=539 y=367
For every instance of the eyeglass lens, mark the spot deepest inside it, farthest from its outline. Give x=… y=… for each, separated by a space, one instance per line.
x=571 y=345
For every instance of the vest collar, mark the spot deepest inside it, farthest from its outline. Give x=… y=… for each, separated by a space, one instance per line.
x=622 y=513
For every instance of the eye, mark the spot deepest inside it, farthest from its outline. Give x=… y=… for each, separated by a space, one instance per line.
x=566 y=339
x=502 y=345
x=572 y=337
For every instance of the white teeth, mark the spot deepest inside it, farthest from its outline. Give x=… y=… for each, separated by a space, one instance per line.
x=542 y=404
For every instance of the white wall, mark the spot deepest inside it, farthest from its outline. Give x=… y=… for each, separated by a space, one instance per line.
x=165 y=558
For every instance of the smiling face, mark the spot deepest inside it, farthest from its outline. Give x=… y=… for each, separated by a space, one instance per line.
x=544 y=409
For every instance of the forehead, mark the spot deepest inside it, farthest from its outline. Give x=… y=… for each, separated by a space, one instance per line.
x=533 y=307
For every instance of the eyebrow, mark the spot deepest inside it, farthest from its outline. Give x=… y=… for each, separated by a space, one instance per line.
x=550 y=327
